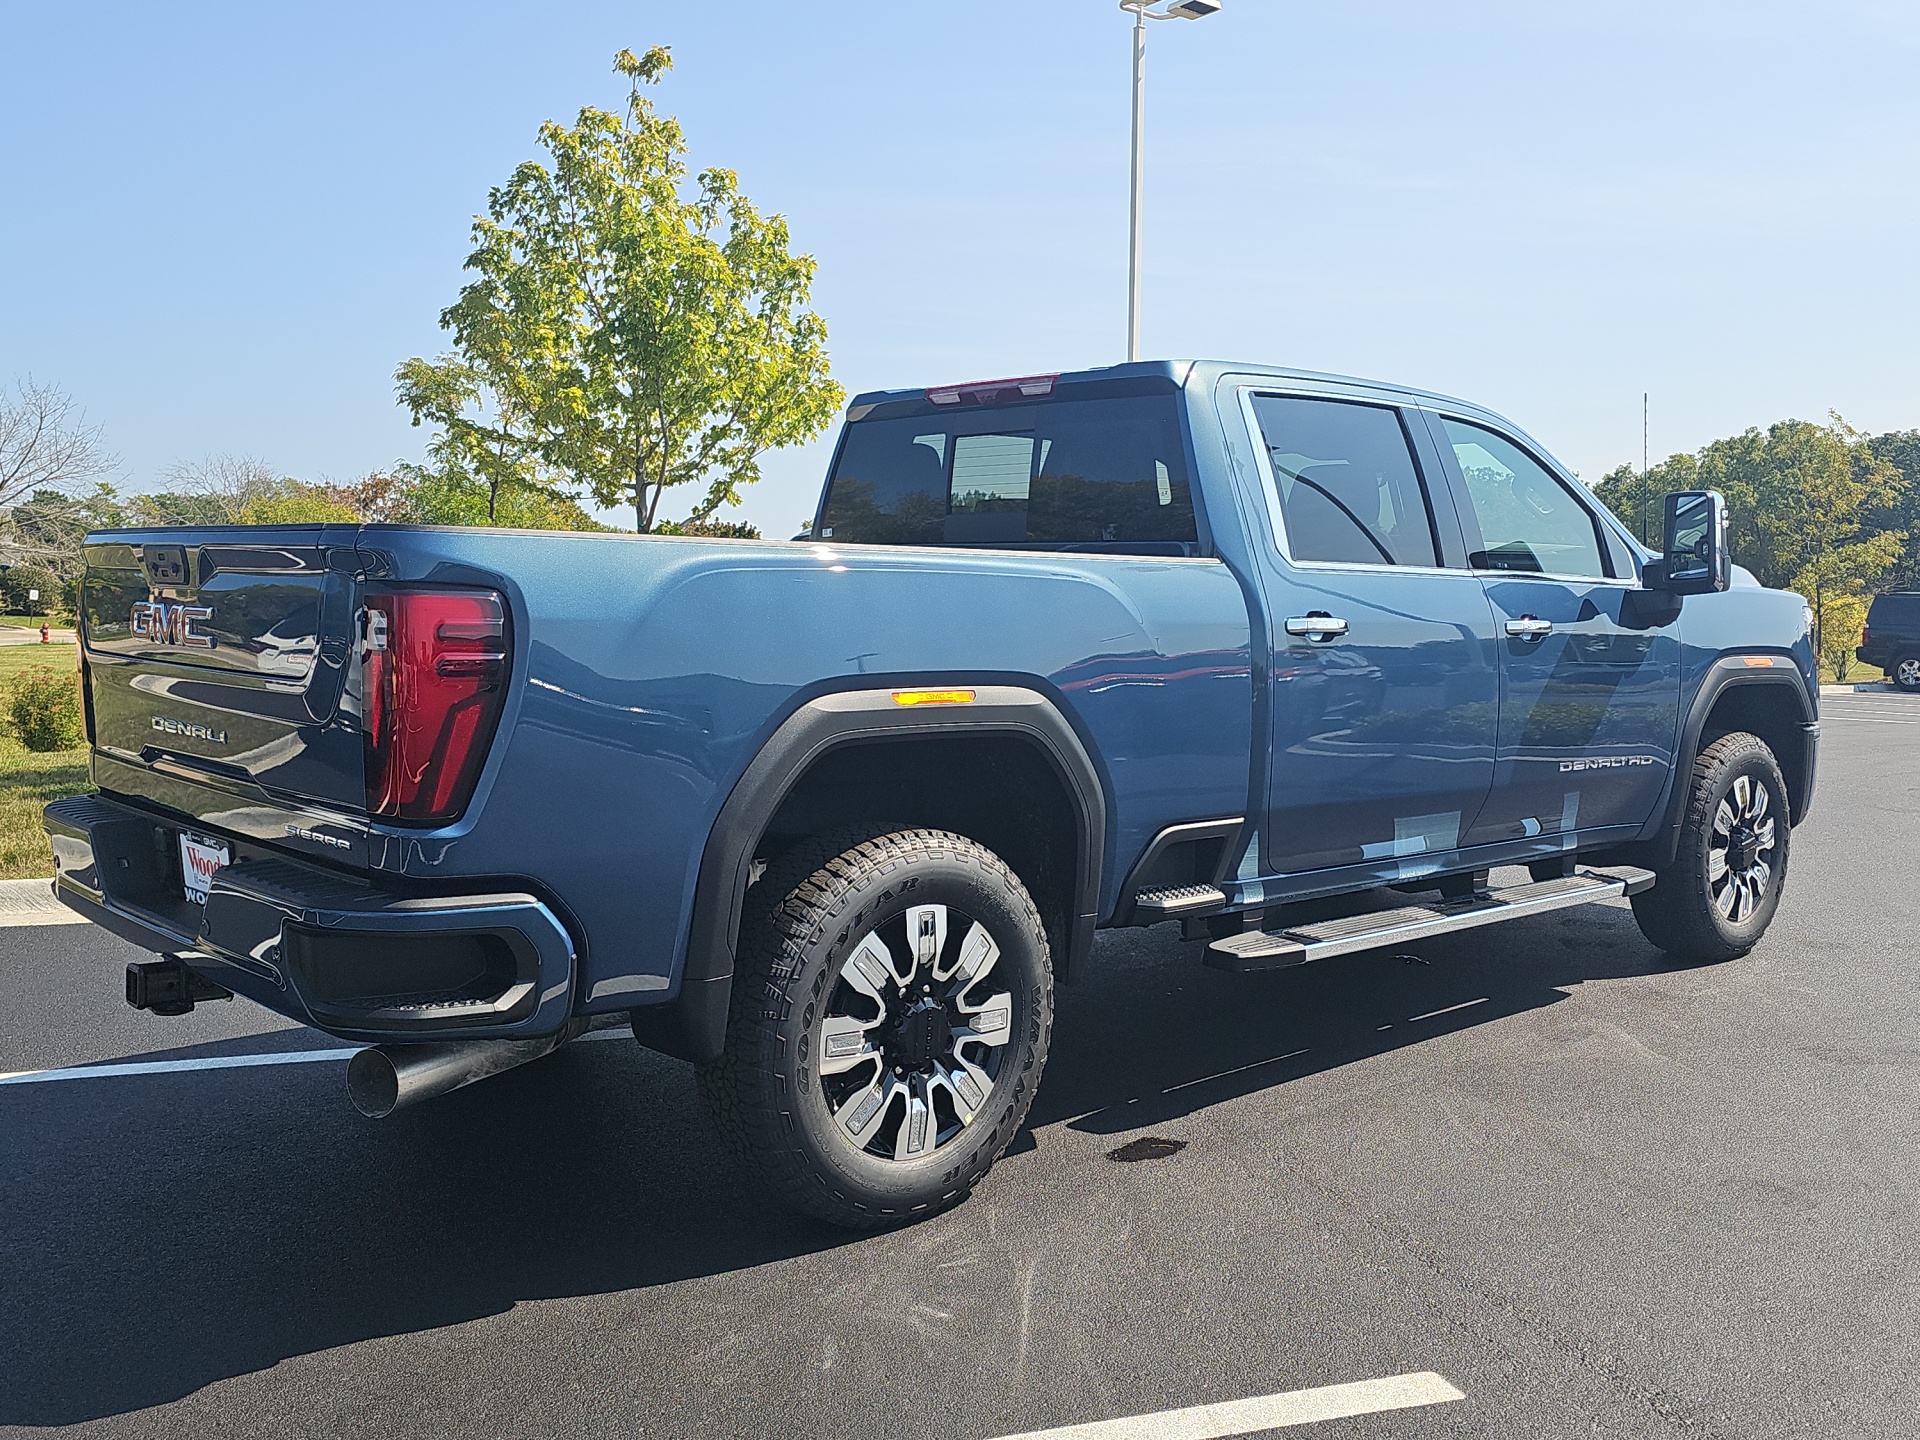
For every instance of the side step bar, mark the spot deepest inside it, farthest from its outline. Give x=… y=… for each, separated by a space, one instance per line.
x=1178 y=900
x=1271 y=950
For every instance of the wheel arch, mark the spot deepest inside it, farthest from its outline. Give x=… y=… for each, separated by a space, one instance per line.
x=861 y=754
x=1766 y=699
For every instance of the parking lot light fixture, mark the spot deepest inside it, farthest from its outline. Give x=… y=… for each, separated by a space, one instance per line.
x=1143 y=11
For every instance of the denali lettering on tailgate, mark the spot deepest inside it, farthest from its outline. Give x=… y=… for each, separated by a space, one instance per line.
x=166 y=624
x=188 y=729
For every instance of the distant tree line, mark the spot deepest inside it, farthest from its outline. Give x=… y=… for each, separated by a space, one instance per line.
x=1822 y=509
x=54 y=488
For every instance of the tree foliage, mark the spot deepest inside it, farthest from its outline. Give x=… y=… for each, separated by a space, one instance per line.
x=628 y=330
x=1821 y=509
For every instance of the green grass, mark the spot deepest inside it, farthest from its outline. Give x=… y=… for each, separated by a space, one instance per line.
x=17 y=658
x=1857 y=674
x=28 y=780
x=34 y=622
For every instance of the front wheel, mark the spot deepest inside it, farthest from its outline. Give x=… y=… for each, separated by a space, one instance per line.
x=1905 y=672
x=1717 y=898
x=891 y=1012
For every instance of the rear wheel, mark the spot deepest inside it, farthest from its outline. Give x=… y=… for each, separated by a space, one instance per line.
x=892 y=1008
x=1906 y=672
x=1718 y=896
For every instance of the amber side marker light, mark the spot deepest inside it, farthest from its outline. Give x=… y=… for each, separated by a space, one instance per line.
x=1758 y=662
x=933 y=697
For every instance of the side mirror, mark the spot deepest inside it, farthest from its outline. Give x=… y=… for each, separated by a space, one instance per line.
x=1696 y=562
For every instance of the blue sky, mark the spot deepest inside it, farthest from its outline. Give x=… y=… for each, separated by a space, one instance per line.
x=221 y=226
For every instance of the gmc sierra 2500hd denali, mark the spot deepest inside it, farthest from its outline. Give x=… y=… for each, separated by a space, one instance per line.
x=1247 y=648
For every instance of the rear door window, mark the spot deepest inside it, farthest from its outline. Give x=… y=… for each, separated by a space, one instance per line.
x=1105 y=475
x=1345 y=478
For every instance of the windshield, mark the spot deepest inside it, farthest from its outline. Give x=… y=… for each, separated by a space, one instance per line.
x=1105 y=474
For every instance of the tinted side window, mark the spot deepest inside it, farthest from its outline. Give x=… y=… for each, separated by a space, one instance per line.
x=1349 y=491
x=1529 y=520
x=1893 y=613
x=1066 y=474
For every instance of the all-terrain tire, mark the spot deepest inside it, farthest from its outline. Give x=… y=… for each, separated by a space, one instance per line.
x=805 y=917
x=1687 y=913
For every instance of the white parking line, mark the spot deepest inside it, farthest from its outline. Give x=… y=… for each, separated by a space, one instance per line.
x=1448 y=1010
x=1265 y=1412
x=171 y=1067
x=218 y=1062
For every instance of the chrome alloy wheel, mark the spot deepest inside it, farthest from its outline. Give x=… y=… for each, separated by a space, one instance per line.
x=913 y=1033
x=1740 y=853
x=1907 y=672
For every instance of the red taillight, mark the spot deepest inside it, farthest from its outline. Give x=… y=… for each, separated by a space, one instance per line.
x=436 y=672
x=1866 y=634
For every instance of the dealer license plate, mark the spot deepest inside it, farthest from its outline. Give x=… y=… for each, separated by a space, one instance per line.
x=199 y=858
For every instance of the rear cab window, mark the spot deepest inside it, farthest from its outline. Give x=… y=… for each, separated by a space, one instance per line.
x=1072 y=470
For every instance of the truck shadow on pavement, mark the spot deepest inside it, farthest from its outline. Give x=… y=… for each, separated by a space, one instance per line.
x=165 y=1233
x=1150 y=1039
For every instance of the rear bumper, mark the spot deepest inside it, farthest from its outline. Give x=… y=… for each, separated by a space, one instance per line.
x=325 y=949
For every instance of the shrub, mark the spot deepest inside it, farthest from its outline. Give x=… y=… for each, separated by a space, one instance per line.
x=45 y=705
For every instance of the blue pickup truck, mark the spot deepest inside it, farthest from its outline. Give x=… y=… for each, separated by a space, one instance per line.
x=1296 y=661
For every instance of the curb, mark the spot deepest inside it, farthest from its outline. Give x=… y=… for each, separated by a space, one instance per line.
x=1865 y=687
x=31 y=902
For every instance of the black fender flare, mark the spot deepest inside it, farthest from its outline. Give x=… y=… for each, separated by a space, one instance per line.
x=1659 y=840
x=692 y=1025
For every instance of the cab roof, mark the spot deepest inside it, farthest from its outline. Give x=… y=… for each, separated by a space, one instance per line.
x=1173 y=374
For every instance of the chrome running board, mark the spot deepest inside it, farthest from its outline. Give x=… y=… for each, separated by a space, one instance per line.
x=1270 y=950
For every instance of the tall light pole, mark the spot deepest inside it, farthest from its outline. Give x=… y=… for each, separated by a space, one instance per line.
x=1143 y=11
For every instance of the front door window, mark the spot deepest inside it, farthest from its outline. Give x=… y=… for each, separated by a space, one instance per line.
x=1530 y=522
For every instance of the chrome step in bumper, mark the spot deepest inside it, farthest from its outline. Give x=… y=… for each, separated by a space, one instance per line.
x=1271 y=950
x=1178 y=900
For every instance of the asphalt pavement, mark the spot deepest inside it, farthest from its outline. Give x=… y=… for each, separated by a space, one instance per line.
x=1588 y=1192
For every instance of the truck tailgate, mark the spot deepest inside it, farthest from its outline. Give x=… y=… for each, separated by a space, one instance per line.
x=217 y=666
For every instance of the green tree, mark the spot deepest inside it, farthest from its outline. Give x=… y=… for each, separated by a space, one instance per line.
x=434 y=494
x=1901 y=450
x=41 y=542
x=1821 y=509
x=487 y=447
x=1640 y=500
x=238 y=490
x=626 y=330
x=1798 y=496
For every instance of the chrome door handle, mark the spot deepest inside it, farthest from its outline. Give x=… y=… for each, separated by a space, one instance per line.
x=1529 y=627
x=1316 y=627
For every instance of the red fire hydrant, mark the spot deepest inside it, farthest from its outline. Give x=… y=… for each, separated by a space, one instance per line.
x=46 y=634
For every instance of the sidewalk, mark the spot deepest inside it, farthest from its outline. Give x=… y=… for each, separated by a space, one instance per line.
x=21 y=635
x=31 y=902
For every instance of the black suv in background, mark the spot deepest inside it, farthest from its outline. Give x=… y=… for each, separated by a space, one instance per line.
x=1892 y=637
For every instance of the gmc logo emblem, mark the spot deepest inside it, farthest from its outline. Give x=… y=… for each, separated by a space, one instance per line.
x=166 y=624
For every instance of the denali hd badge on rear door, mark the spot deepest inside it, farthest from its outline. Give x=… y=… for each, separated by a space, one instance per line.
x=166 y=624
